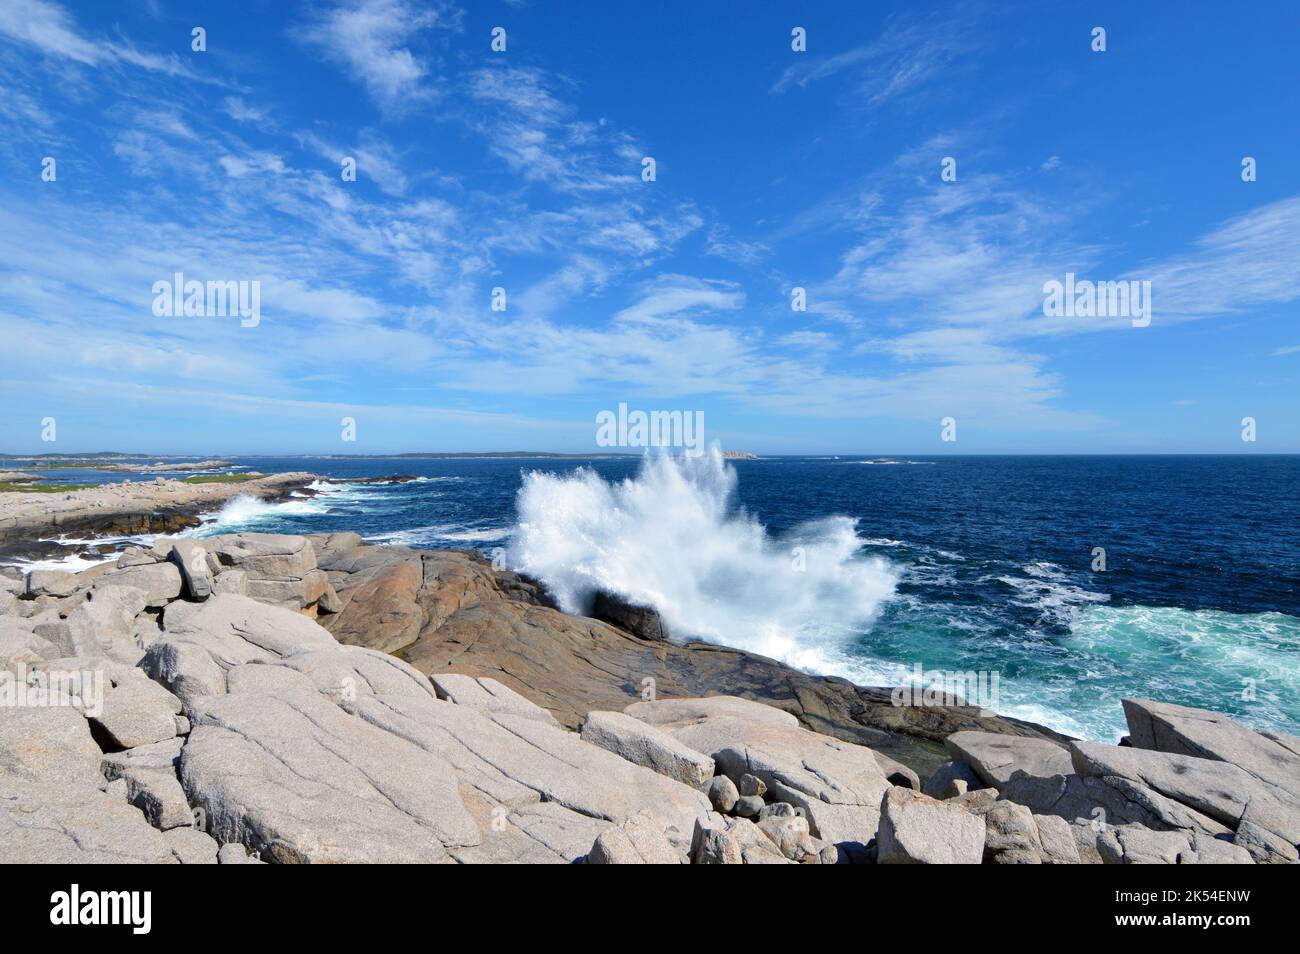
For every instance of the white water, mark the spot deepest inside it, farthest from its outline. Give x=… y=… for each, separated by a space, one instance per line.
x=673 y=539
x=243 y=511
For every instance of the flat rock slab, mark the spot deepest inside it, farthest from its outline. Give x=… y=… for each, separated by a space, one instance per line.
x=647 y=745
x=487 y=695
x=315 y=784
x=51 y=745
x=1217 y=789
x=43 y=823
x=996 y=757
x=1272 y=757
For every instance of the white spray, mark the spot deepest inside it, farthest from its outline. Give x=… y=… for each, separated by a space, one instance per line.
x=672 y=538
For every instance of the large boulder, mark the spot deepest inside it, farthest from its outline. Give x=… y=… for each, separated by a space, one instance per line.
x=48 y=744
x=917 y=829
x=1271 y=757
x=637 y=841
x=152 y=785
x=192 y=560
x=995 y=757
x=646 y=745
x=1219 y=790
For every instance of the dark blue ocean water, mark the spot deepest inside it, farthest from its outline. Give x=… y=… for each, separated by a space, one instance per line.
x=985 y=563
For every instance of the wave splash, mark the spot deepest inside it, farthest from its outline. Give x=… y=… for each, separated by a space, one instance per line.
x=673 y=538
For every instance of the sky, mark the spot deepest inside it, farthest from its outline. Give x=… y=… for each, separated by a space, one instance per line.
x=523 y=169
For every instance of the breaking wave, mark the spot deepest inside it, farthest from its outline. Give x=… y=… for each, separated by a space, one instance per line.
x=673 y=538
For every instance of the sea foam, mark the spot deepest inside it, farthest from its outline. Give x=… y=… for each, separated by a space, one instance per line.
x=673 y=538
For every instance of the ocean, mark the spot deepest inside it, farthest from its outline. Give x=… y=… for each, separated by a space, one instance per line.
x=868 y=568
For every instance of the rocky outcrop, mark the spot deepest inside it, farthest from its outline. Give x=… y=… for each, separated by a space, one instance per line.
x=237 y=729
x=156 y=506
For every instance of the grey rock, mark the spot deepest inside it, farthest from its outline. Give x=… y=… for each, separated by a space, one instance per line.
x=1219 y=790
x=1133 y=845
x=917 y=829
x=233 y=853
x=1056 y=840
x=136 y=556
x=637 y=841
x=46 y=822
x=836 y=784
x=1011 y=835
x=748 y=806
x=231 y=581
x=712 y=843
x=161 y=582
x=149 y=772
x=942 y=784
x=1273 y=758
x=790 y=835
x=722 y=794
x=56 y=583
x=137 y=711
x=317 y=785
x=648 y=746
x=751 y=785
x=192 y=560
x=191 y=847
x=487 y=695
x=51 y=745
x=995 y=756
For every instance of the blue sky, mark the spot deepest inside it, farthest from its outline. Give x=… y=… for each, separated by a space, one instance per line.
x=522 y=170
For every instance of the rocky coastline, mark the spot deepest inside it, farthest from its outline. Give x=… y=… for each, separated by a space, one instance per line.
x=303 y=699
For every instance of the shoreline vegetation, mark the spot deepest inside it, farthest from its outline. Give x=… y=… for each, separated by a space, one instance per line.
x=324 y=699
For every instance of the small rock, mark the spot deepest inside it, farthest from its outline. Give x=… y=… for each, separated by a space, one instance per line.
x=752 y=785
x=749 y=806
x=722 y=794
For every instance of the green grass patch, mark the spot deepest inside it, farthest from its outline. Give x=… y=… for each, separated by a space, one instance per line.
x=41 y=488
x=222 y=478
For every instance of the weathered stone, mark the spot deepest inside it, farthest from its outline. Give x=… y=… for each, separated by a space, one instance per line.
x=838 y=785
x=1273 y=758
x=50 y=745
x=51 y=822
x=646 y=745
x=994 y=757
x=161 y=582
x=748 y=806
x=135 y=556
x=722 y=794
x=231 y=581
x=637 y=841
x=192 y=560
x=1056 y=840
x=315 y=784
x=149 y=772
x=943 y=783
x=917 y=829
x=1011 y=835
x=790 y=835
x=751 y=785
x=713 y=844
x=191 y=847
x=1133 y=845
x=1219 y=790
x=57 y=583
x=487 y=695
x=233 y=853
x=137 y=711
